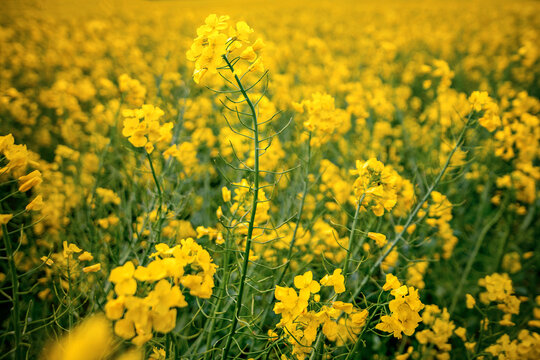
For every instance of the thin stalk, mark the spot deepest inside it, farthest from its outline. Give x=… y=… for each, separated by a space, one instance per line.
x=251 y=224
x=8 y=196
x=416 y=209
x=351 y=236
x=168 y=344
x=70 y=314
x=159 y=209
x=362 y=239
x=15 y=294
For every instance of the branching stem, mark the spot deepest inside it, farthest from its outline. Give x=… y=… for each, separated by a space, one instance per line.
x=251 y=224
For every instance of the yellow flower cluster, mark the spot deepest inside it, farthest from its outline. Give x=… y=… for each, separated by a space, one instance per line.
x=217 y=38
x=132 y=90
x=108 y=196
x=70 y=267
x=18 y=157
x=511 y=262
x=138 y=316
x=523 y=181
x=480 y=101
x=404 y=309
x=341 y=322
x=173 y=228
x=143 y=128
x=441 y=328
x=536 y=314
x=15 y=161
x=516 y=141
x=70 y=249
x=525 y=347
x=499 y=289
x=324 y=121
x=415 y=274
x=438 y=215
x=376 y=184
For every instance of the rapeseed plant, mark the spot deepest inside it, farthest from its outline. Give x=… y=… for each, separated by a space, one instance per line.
x=291 y=180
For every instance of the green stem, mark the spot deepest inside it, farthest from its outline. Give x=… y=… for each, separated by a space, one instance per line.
x=168 y=344
x=351 y=237
x=70 y=314
x=8 y=196
x=15 y=295
x=160 y=217
x=251 y=224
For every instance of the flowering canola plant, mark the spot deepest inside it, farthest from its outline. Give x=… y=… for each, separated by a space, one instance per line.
x=281 y=181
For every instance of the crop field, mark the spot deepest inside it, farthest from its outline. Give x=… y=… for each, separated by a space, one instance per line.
x=269 y=180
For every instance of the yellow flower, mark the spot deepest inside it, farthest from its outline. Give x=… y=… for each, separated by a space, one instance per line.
x=86 y=256
x=380 y=239
x=345 y=307
x=404 y=310
x=507 y=320
x=324 y=119
x=26 y=182
x=306 y=282
x=114 y=308
x=36 y=204
x=406 y=355
x=92 y=268
x=336 y=280
x=158 y=354
x=461 y=333
x=226 y=193
x=4 y=218
x=108 y=196
x=480 y=101
x=470 y=301
x=122 y=277
x=124 y=328
x=390 y=324
x=272 y=336
x=392 y=282
x=47 y=261
x=290 y=304
x=470 y=346
x=219 y=212
x=70 y=249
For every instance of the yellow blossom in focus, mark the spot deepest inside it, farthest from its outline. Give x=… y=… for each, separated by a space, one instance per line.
x=380 y=239
x=36 y=204
x=92 y=268
x=336 y=280
x=27 y=182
